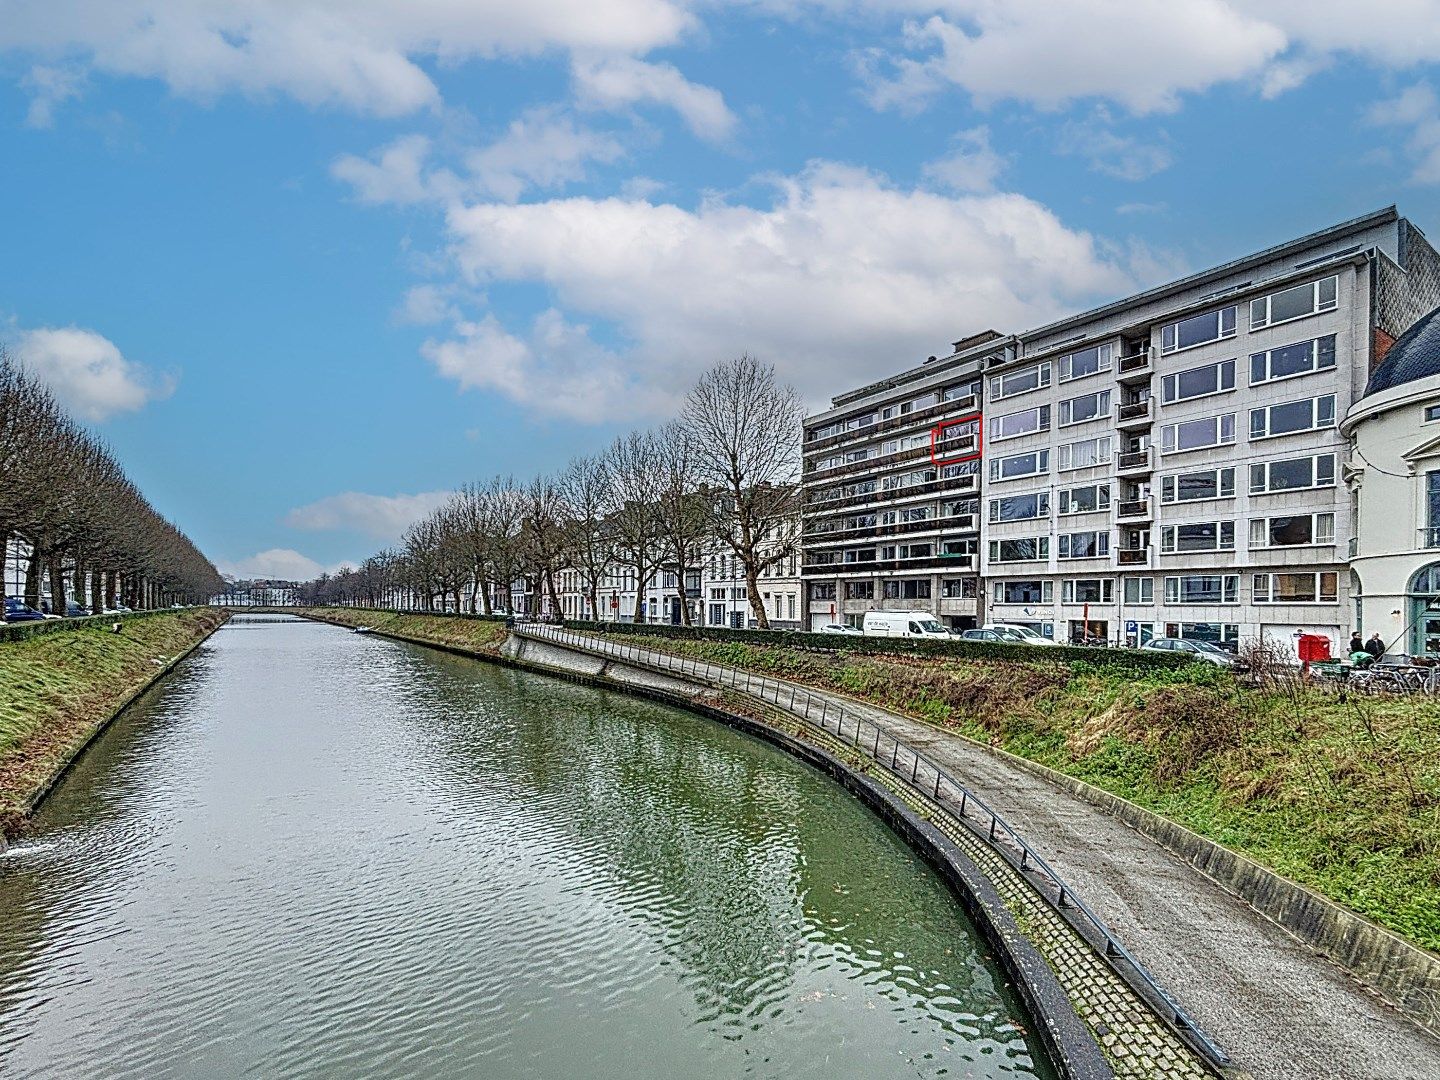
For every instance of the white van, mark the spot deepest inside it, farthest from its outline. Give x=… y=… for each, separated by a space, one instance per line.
x=910 y=624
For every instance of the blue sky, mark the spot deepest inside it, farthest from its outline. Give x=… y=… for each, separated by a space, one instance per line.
x=308 y=266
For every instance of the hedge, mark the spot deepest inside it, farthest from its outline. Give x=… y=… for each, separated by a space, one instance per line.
x=968 y=650
x=18 y=631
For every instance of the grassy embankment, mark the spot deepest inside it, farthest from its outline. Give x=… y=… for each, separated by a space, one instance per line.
x=476 y=635
x=57 y=687
x=1339 y=792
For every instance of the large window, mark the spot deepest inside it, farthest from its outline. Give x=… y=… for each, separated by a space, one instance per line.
x=1203 y=589
x=1197 y=485
x=1294 y=530
x=1023 y=592
x=1139 y=590
x=1085 y=500
x=1432 y=509
x=1197 y=434
x=1085 y=454
x=1085 y=362
x=1086 y=407
x=1294 y=303
x=1017 y=465
x=1024 y=422
x=1088 y=591
x=1199 y=382
x=1020 y=549
x=1084 y=545
x=908 y=589
x=909 y=480
x=1288 y=417
x=1198 y=536
x=1198 y=330
x=1020 y=507
x=822 y=590
x=1020 y=382
x=1292 y=474
x=958 y=588
x=1317 y=588
x=859 y=555
x=859 y=590
x=1288 y=361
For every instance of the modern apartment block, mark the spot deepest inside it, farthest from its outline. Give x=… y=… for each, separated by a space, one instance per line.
x=891 y=492
x=1168 y=464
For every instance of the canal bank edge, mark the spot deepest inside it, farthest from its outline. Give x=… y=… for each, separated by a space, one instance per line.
x=1072 y=1046
x=30 y=801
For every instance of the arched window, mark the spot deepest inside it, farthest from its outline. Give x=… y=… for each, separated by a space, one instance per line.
x=1426 y=581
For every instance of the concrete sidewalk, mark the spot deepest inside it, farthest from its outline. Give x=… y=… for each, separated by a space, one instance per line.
x=1281 y=1011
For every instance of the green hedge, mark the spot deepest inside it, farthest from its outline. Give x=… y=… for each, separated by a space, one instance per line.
x=969 y=650
x=21 y=630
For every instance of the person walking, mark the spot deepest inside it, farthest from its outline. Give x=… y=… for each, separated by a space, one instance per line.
x=1357 y=643
x=1375 y=646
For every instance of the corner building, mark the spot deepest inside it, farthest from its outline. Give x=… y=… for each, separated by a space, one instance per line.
x=1170 y=464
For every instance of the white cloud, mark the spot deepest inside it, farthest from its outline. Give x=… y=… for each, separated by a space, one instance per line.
x=359 y=54
x=395 y=174
x=972 y=166
x=88 y=373
x=382 y=517
x=1122 y=156
x=1416 y=108
x=619 y=81
x=284 y=564
x=426 y=305
x=49 y=87
x=842 y=278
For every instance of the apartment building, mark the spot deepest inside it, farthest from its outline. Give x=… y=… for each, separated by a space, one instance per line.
x=891 y=492
x=1170 y=464
x=727 y=601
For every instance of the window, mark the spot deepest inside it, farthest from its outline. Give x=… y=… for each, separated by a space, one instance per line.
x=1295 y=303
x=1017 y=465
x=859 y=590
x=1201 y=536
x=1432 y=413
x=1197 y=434
x=1288 y=361
x=1020 y=382
x=1020 y=549
x=1024 y=592
x=1086 y=407
x=1193 y=486
x=1085 y=362
x=961 y=390
x=1210 y=589
x=1217 y=633
x=1302 y=530
x=1198 y=330
x=910 y=589
x=859 y=555
x=1292 y=474
x=954 y=588
x=1432 y=509
x=822 y=590
x=967 y=546
x=1020 y=423
x=1020 y=507
x=952 y=508
x=1139 y=590
x=1084 y=454
x=1307 y=414
x=1199 y=382
x=1320 y=588
x=1084 y=545
x=1088 y=591
x=1085 y=500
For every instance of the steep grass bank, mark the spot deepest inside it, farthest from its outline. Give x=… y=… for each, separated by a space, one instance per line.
x=477 y=634
x=57 y=688
x=1338 y=791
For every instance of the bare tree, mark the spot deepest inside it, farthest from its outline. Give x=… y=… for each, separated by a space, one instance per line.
x=633 y=463
x=590 y=495
x=684 y=507
x=746 y=426
x=545 y=534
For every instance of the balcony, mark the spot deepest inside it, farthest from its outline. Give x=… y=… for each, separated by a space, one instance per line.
x=1135 y=369
x=1132 y=556
x=952 y=564
x=962 y=523
x=1430 y=538
x=1134 y=462
x=1134 y=414
x=959 y=406
x=1133 y=510
x=870 y=464
x=950 y=486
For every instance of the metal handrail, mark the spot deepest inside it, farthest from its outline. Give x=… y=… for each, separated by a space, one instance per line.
x=993 y=825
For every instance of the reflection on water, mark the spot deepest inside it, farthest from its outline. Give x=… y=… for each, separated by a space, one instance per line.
x=313 y=853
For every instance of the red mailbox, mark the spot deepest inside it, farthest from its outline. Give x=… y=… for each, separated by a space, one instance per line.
x=1314 y=647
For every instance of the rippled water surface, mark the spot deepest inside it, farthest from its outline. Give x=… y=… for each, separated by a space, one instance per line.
x=312 y=853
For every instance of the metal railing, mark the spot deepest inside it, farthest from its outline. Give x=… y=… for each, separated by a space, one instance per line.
x=911 y=767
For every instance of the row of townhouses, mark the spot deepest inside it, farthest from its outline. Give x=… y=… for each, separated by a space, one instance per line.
x=1186 y=462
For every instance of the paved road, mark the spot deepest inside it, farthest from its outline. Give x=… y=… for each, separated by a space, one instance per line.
x=1280 y=1010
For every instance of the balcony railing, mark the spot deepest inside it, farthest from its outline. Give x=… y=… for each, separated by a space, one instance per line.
x=1133 y=508
x=949 y=485
x=1430 y=538
x=960 y=523
x=1137 y=364
x=1133 y=461
x=1133 y=412
x=959 y=406
x=956 y=564
x=1132 y=556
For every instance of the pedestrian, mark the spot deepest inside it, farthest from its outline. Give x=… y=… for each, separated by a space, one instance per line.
x=1357 y=643
x=1375 y=646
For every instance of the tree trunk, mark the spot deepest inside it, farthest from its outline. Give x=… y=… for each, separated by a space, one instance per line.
x=640 y=614
x=57 y=587
x=554 y=596
x=752 y=587
x=110 y=577
x=32 y=577
x=97 y=599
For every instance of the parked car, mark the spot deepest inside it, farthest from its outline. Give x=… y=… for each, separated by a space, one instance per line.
x=74 y=610
x=1198 y=650
x=1002 y=635
x=1024 y=633
x=18 y=611
x=903 y=624
x=837 y=628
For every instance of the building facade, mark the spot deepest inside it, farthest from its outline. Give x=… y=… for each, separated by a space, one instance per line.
x=890 y=502
x=1170 y=464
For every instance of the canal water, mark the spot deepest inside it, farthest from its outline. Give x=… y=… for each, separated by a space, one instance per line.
x=313 y=853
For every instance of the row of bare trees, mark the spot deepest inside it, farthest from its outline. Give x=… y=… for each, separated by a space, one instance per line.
x=67 y=506
x=721 y=477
